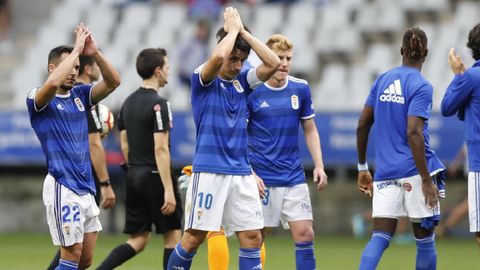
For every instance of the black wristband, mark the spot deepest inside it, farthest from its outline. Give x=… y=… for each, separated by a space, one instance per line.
x=105 y=183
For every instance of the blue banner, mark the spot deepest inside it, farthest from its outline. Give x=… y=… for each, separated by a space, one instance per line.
x=19 y=144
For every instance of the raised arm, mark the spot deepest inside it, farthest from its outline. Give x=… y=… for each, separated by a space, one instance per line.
x=270 y=61
x=60 y=72
x=459 y=89
x=110 y=77
x=110 y=81
x=232 y=26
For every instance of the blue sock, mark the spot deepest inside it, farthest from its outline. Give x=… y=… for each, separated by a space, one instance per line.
x=180 y=258
x=304 y=256
x=373 y=251
x=66 y=265
x=249 y=259
x=426 y=254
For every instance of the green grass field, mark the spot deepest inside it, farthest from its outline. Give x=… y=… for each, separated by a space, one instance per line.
x=34 y=251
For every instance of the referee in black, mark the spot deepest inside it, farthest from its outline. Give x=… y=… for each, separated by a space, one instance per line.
x=151 y=195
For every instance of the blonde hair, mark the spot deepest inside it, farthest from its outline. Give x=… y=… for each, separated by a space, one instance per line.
x=279 y=42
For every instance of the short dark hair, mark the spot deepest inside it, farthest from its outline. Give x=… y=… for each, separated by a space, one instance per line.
x=57 y=52
x=85 y=61
x=240 y=43
x=148 y=60
x=474 y=41
x=414 y=44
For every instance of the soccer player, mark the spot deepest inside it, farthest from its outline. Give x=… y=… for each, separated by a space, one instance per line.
x=151 y=195
x=223 y=189
x=89 y=72
x=462 y=97
x=58 y=114
x=274 y=154
x=399 y=105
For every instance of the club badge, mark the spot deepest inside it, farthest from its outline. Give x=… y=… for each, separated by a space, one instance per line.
x=79 y=104
x=294 y=99
x=238 y=86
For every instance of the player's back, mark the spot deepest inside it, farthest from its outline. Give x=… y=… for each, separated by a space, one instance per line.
x=397 y=94
x=141 y=116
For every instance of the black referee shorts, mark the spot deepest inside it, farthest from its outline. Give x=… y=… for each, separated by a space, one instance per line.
x=144 y=197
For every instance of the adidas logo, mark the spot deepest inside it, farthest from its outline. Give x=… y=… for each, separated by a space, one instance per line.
x=264 y=104
x=393 y=93
x=259 y=267
x=60 y=107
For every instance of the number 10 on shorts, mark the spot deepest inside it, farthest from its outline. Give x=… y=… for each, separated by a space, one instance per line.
x=205 y=200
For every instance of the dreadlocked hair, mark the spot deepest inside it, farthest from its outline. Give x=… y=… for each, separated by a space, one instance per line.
x=414 y=44
x=474 y=41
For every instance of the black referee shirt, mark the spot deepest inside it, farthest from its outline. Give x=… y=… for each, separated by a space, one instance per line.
x=143 y=113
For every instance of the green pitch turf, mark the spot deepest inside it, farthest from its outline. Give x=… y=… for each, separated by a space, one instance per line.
x=34 y=251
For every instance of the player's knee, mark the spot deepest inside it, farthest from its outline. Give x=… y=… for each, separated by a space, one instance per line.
x=192 y=239
x=250 y=239
x=304 y=234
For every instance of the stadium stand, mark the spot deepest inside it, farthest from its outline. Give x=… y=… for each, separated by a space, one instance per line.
x=340 y=45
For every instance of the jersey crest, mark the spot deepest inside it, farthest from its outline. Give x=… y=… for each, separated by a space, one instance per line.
x=238 y=86
x=295 y=103
x=79 y=104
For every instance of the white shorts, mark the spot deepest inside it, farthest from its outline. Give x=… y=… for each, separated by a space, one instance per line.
x=400 y=198
x=215 y=200
x=474 y=201
x=69 y=215
x=285 y=204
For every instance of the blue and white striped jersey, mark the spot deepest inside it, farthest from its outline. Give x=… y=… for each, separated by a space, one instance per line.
x=395 y=95
x=62 y=129
x=275 y=115
x=220 y=115
x=463 y=97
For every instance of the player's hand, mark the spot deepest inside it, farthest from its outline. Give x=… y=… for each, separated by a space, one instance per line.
x=320 y=178
x=430 y=191
x=261 y=186
x=80 y=37
x=233 y=23
x=108 y=197
x=364 y=182
x=169 y=203
x=455 y=62
x=91 y=47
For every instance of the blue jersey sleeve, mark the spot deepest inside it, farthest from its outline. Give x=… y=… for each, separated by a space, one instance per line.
x=198 y=87
x=242 y=77
x=372 y=96
x=31 y=102
x=457 y=94
x=421 y=102
x=85 y=93
x=307 y=110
